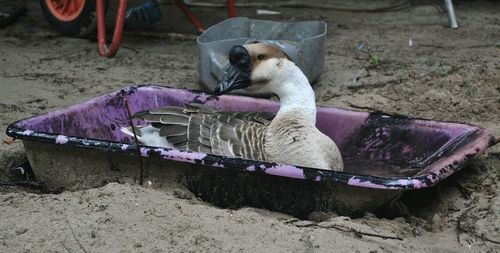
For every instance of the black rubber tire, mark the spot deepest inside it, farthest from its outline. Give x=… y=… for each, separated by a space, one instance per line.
x=83 y=26
x=12 y=15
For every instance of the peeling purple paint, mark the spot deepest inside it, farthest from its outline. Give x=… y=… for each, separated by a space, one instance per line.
x=417 y=184
x=28 y=132
x=250 y=168
x=220 y=165
x=144 y=152
x=61 y=139
x=285 y=170
x=173 y=154
x=410 y=183
x=354 y=181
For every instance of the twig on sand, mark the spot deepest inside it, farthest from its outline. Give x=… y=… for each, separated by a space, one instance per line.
x=360 y=107
x=461 y=217
x=157 y=215
x=347 y=229
x=462 y=190
x=7 y=184
x=292 y=220
x=66 y=248
x=459 y=229
x=361 y=233
x=489 y=239
x=497 y=140
x=9 y=141
x=74 y=236
x=129 y=114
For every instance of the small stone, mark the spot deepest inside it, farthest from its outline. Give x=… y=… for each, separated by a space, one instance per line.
x=435 y=222
x=453 y=207
x=291 y=220
x=138 y=245
x=326 y=224
x=400 y=220
x=182 y=194
x=319 y=216
x=92 y=234
x=341 y=218
x=416 y=231
x=21 y=231
x=304 y=223
x=483 y=167
x=9 y=197
x=101 y=208
x=415 y=221
x=369 y=216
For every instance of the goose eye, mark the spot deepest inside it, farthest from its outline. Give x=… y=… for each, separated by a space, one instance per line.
x=261 y=57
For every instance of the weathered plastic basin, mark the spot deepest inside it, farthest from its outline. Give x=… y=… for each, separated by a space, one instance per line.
x=81 y=146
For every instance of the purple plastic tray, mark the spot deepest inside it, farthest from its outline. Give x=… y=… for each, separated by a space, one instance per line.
x=380 y=151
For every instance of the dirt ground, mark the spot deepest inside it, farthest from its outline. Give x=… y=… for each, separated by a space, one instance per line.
x=446 y=74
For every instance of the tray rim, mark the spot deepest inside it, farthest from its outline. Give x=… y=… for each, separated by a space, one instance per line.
x=484 y=139
x=200 y=38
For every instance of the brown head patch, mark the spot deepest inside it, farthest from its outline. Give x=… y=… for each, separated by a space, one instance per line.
x=261 y=51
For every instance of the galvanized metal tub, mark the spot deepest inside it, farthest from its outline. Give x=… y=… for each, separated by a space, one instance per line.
x=302 y=41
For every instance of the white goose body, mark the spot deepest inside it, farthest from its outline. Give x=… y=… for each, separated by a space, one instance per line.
x=290 y=137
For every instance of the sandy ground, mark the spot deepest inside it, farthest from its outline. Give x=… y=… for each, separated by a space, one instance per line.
x=446 y=74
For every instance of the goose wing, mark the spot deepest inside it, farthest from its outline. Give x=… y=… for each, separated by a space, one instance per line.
x=197 y=128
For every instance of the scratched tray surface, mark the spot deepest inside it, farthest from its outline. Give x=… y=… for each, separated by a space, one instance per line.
x=380 y=151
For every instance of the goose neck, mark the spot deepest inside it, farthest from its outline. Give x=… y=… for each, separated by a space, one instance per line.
x=297 y=96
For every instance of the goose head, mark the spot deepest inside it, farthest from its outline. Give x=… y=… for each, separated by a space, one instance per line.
x=257 y=67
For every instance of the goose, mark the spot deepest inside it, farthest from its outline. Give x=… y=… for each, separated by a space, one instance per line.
x=290 y=136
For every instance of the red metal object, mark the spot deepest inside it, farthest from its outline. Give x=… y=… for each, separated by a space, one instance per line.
x=189 y=14
x=185 y=9
x=66 y=10
x=120 y=20
x=101 y=28
x=231 y=8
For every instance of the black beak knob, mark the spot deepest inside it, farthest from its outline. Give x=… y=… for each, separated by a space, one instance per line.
x=238 y=55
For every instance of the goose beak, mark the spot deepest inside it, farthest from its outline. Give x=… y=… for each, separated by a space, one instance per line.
x=237 y=75
x=234 y=78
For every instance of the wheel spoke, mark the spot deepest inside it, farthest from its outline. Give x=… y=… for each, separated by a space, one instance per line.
x=58 y=4
x=66 y=9
x=76 y=5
